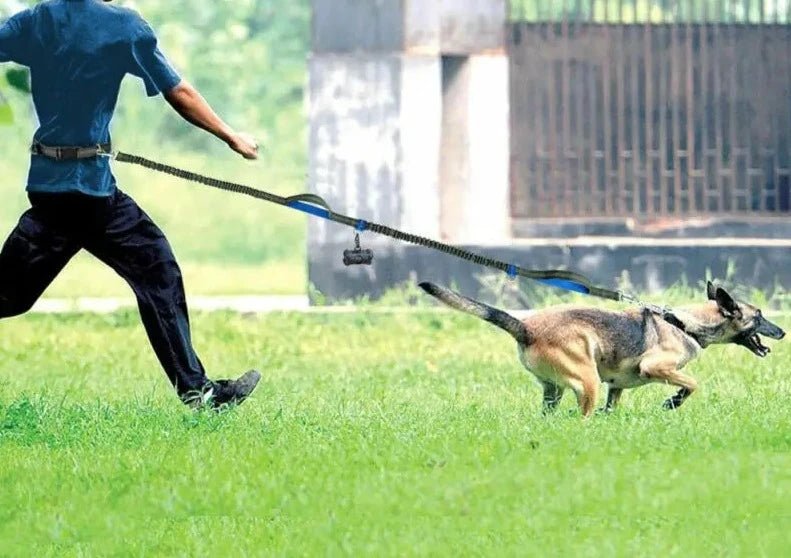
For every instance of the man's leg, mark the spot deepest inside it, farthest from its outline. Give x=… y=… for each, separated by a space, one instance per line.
x=139 y=252
x=31 y=258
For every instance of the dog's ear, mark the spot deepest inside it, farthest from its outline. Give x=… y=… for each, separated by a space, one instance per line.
x=726 y=304
x=711 y=290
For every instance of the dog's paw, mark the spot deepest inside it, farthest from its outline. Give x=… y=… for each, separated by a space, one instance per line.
x=671 y=405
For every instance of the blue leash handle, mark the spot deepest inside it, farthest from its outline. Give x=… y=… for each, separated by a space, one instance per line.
x=309 y=209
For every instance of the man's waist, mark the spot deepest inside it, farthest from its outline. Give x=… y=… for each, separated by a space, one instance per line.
x=72 y=153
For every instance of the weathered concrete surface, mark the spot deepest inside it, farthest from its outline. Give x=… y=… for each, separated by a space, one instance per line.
x=342 y=26
x=651 y=265
x=455 y=161
x=413 y=26
x=692 y=227
x=374 y=141
x=486 y=215
x=421 y=29
x=475 y=141
x=473 y=26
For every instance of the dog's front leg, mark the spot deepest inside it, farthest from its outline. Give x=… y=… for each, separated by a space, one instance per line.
x=678 y=399
x=669 y=375
x=662 y=367
x=613 y=397
x=688 y=385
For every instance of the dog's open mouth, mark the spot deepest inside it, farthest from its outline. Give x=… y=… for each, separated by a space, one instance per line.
x=753 y=342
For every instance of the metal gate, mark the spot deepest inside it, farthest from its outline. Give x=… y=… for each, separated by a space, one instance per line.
x=652 y=115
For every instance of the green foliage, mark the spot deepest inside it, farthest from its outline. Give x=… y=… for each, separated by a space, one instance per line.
x=6 y=112
x=19 y=79
x=375 y=435
x=653 y=11
x=248 y=58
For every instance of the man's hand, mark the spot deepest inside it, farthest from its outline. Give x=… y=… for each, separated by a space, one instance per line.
x=186 y=100
x=245 y=145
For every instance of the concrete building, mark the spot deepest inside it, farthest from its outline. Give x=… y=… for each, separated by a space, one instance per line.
x=444 y=119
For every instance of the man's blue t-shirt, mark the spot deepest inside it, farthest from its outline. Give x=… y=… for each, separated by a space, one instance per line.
x=78 y=51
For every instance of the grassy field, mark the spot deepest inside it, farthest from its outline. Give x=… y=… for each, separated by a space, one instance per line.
x=380 y=435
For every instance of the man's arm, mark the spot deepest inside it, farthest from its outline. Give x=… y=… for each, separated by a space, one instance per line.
x=15 y=39
x=148 y=63
x=186 y=101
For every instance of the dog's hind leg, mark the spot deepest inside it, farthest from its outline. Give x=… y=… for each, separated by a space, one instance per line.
x=587 y=390
x=573 y=367
x=553 y=393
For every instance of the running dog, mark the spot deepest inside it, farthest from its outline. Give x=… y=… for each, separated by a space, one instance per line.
x=578 y=347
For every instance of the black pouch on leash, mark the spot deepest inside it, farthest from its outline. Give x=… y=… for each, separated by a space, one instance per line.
x=358 y=256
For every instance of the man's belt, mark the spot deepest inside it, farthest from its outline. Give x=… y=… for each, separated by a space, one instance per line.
x=72 y=153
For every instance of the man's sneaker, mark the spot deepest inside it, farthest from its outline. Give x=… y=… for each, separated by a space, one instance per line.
x=224 y=392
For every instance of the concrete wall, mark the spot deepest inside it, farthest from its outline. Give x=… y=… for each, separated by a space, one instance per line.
x=651 y=265
x=374 y=132
x=415 y=26
x=472 y=26
x=485 y=207
x=388 y=142
x=409 y=127
x=475 y=141
x=357 y=26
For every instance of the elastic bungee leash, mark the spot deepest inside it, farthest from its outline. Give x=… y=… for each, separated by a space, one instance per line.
x=318 y=207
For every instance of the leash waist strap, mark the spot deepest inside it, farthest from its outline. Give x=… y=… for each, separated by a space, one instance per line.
x=71 y=153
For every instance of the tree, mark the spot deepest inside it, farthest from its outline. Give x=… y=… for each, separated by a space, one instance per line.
x=247 y=57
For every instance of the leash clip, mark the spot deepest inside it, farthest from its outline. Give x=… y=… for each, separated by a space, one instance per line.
x=653 y=308
x=630 y=298
x=100 y=152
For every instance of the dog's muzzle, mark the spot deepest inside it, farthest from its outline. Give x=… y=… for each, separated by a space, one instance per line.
x=751 y=339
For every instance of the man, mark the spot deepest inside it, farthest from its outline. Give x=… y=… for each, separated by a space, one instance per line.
x=78 y=51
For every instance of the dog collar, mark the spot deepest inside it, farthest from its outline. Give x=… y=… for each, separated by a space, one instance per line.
x=673 y=320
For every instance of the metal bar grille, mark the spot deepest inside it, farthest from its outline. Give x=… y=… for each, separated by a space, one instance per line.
x=624 y=109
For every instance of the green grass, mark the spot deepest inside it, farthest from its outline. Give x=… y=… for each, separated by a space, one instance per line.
x=375 y=434
x=87 y=277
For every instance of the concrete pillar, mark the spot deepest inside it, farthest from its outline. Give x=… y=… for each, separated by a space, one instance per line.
x=487 y=214
x=474 y=186
x=384 y=143
x=374 y=141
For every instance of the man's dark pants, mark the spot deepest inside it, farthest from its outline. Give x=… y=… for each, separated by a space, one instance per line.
x=120 y=234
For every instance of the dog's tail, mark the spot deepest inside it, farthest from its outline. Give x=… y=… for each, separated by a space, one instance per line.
x=494 y=316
